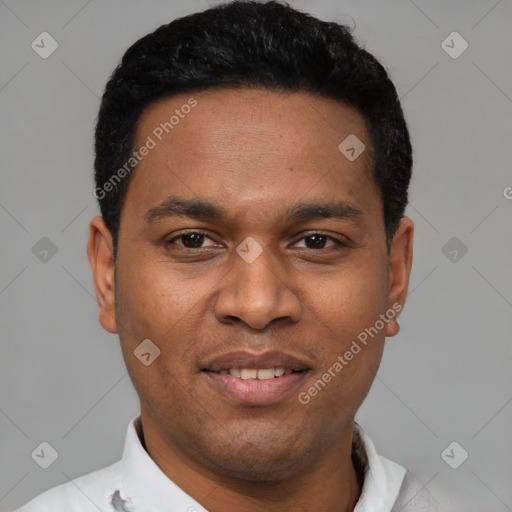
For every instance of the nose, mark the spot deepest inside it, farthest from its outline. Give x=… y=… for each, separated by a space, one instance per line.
x=256 y=294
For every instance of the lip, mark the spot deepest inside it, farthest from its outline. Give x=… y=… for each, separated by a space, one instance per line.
x=245 y=359
x=255 y=391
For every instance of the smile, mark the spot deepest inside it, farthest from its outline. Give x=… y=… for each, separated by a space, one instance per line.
x=255 y=379
x=254 y=373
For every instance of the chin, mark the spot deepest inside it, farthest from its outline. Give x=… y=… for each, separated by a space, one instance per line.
x=259 y=462
x=261 y=470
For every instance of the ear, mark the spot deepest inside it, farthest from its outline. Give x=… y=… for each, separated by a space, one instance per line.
x=101 y=259
x=400 y=263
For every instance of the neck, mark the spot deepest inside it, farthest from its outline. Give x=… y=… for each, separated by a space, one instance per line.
x=330 y=483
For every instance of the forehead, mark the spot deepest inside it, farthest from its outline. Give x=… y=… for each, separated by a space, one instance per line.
x=248 y=147
x=226 y=116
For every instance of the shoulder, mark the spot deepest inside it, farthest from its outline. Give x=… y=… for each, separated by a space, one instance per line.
x=86 y=493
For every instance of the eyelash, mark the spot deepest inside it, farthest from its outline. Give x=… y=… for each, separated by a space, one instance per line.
x=339 y=243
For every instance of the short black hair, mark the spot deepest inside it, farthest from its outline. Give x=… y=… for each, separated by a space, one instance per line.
x=251 y=44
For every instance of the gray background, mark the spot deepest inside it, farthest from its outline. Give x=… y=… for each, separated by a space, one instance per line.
x=445 y=378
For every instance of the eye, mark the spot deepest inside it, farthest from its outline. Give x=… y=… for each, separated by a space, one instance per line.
x=318 y=241
x=195 y=240
x=192 y=240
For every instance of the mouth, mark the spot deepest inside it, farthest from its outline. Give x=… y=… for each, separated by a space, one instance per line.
x=255 y=379
x=257 y=373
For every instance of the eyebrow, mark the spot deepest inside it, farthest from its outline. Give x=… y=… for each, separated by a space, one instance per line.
x=199 y=209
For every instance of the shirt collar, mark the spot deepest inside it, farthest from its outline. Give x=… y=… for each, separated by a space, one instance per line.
x=382 y=477
x=144 y=486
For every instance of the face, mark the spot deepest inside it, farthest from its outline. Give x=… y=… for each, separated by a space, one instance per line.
x=250 y=242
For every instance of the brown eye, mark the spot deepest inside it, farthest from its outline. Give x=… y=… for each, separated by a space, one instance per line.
x=319 y=240
x=191 y=240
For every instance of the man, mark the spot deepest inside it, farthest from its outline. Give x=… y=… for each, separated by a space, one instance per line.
x=252 y=167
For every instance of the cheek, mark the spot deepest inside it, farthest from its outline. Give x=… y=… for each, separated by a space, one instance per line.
x=153 y=298
x=155 y=304
x=353 y=298
x=152 y=307
x=347 y=310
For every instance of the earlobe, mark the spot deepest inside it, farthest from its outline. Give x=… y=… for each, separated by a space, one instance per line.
x=400 y=264
x=101 y=260
x=392 y=328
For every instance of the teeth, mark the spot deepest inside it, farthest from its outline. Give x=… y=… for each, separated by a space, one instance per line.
x=253 y=373
x=266 y=374
x=249 y=373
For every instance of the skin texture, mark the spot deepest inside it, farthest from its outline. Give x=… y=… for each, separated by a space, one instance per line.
x=254 y=152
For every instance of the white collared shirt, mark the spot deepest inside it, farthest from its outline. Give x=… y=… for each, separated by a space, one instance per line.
x=137 y=484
